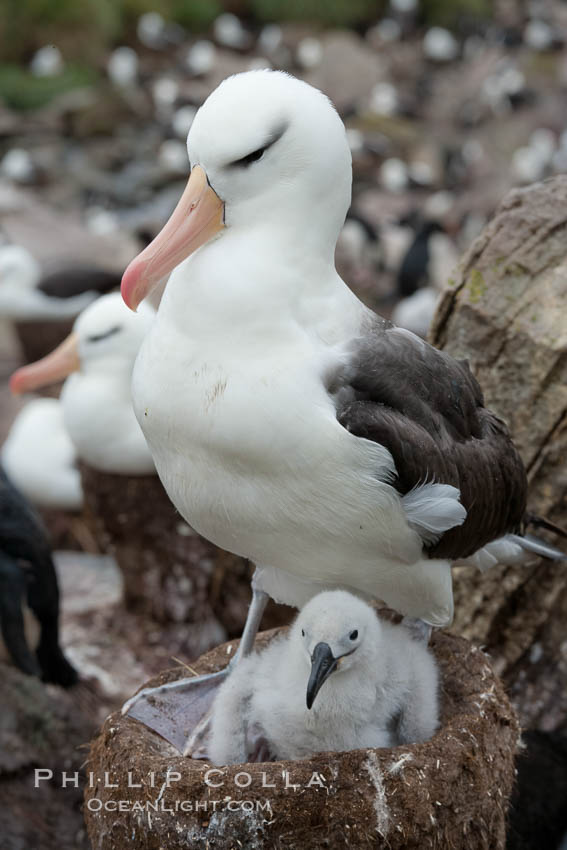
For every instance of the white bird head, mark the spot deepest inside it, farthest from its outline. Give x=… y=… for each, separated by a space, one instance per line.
x=106 y=337
x=106 y=331
x=335 y=632
x=264 y=147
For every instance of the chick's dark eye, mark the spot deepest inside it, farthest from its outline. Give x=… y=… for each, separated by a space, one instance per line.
x=354 y=635
x=302 y=633
x=250 y=158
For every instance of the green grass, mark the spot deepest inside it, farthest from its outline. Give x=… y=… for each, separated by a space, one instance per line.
x=21 y=90
x=341 y=13
x=196 y=15
x=86 y=29
x=450 y=13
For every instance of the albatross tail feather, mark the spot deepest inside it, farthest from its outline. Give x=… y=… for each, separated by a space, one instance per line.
x=534 y=545
x=511 y=550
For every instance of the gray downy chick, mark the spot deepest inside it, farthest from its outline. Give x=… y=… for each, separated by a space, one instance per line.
x=341 y=679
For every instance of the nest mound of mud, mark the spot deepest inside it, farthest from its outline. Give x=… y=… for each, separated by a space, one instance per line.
x=451 y=791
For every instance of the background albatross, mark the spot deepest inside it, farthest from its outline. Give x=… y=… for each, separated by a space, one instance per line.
x=288 y=423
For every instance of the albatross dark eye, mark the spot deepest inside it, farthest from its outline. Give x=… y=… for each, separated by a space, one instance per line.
x=251 y=157
x=105 y=335
x=354 y=635
x=247 y=160
x=302 y=633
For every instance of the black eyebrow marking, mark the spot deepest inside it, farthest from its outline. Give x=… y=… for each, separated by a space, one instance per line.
x=105 y=335
x=247 y=160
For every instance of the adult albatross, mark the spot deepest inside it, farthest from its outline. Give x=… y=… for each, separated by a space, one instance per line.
x=288 y=423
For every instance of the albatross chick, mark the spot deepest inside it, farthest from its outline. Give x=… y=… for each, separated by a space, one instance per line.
x=341 y=679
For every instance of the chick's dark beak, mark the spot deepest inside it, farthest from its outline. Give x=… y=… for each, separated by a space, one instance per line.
x=323 y=663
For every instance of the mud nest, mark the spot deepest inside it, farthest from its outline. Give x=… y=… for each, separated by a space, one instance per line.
x=38 y=338
x=449 y=792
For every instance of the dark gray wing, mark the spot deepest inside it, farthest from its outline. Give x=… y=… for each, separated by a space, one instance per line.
x=427 y=409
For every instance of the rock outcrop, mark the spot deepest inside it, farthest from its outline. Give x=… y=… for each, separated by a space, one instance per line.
x=506 y=313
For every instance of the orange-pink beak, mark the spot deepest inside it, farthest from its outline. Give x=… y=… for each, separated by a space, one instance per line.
x=50 y=369
x=198 y=216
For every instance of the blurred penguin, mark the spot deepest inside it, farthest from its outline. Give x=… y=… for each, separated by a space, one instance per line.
x=29 y=592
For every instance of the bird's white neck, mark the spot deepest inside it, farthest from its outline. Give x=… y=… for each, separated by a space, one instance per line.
x=258 y=278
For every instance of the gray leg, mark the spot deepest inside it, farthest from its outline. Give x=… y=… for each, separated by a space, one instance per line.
x=196 y=745
x=252 y=624
x=180 y=711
